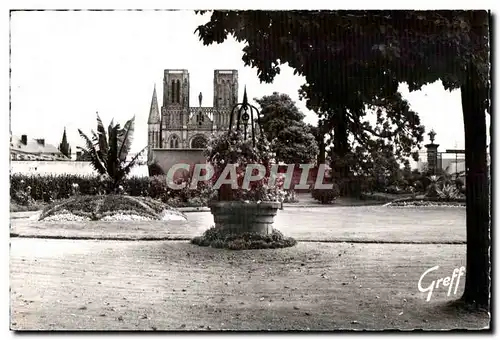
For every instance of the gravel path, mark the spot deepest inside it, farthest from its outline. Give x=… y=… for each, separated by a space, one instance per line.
x=173 y=285
x=68 y=284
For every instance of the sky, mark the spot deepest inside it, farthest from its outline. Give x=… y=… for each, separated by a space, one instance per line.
x=66 y=66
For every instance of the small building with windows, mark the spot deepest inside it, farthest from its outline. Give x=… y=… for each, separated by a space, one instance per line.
x=24 y=149
x=178 y=131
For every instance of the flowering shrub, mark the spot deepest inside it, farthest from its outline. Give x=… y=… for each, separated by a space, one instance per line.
x=233 y=148
x=23 y=195
x=326 y=196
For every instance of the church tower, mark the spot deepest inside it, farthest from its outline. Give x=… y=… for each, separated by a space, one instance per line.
x=225 y=96
x=154 y=123
x=175 y=109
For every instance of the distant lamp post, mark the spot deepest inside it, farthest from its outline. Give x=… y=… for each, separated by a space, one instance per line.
x=245 y=116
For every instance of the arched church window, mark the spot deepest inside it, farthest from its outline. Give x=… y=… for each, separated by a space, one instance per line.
x=174 y=142
x=226 y=93
x=229 y=101
x=173 y=91
x=178 y=91
x=198 y=142
x=200 y=118
x=220 y=92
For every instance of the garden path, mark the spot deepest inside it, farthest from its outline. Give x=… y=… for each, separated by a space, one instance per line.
x=69 y=284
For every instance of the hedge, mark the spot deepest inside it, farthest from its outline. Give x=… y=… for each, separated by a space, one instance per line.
x=25 y=189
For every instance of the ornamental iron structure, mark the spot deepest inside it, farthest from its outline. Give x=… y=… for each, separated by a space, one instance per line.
x=245 y=116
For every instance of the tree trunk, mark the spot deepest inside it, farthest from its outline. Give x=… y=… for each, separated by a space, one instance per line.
x=477 y=283
x=321 y=153
x=340 y=164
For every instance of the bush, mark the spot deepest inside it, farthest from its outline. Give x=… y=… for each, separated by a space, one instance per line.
x=394 y=189
x=290 y=196
x=218 y=238
x=419 y=186
x=326 y=196
x=25 y=190
x=136 y=186
x=155 y=170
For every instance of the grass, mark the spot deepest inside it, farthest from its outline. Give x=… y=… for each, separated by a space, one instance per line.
x=217 y=238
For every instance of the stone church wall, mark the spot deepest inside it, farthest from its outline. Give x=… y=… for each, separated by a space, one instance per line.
x=166 y=158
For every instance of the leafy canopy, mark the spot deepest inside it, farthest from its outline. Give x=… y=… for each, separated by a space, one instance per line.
x=282 y=122
x=343 y=56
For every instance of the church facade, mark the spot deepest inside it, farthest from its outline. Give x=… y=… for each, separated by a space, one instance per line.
x=179 y=126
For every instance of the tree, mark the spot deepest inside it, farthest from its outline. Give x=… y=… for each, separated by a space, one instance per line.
x=338 y=89
x=282 y=123
x=64 y=146
x=376 y=166
x=108 y=153
x=319 y=132
x=355 y=58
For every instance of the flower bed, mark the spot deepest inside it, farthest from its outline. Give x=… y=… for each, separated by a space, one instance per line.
x=218 y=238
x=428 y=202
x=109 y=208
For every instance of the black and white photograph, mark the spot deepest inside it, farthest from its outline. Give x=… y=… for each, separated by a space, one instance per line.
x=234 y=169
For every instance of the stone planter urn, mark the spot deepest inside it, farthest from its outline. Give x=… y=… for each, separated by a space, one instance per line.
x=240 y=217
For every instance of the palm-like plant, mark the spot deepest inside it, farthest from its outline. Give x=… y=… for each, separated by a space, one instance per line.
x=108 y=153
x=433 y=188
x=448 y=191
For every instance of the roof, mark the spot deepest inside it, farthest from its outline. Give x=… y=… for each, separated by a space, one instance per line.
x=32 y=147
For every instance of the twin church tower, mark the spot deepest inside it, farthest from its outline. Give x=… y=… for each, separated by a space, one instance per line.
x=179 y=126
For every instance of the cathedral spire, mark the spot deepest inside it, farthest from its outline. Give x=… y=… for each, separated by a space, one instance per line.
x=64 y=146
x=154 y=113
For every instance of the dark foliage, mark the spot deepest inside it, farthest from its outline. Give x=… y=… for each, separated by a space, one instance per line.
x=27 y=189
x=326 y=196
x=218 y=238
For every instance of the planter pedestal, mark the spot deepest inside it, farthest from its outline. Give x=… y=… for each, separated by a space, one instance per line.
x=241 y=217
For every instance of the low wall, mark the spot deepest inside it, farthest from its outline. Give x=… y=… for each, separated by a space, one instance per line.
x=64 y=167
x=166 y=158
